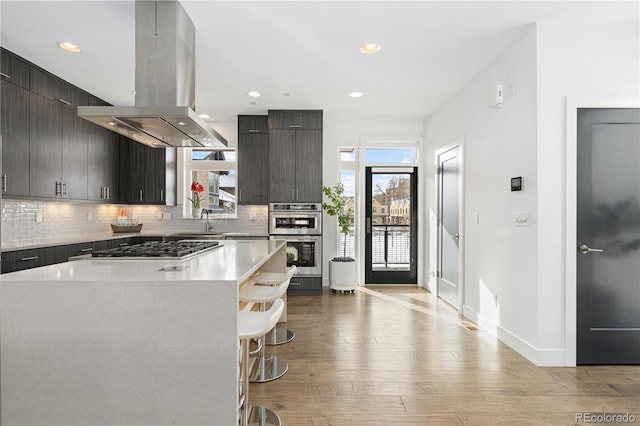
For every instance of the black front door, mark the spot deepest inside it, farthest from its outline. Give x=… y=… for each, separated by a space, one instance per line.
x=391 y=225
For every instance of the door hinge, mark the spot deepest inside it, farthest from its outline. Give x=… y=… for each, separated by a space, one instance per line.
x=439 y=170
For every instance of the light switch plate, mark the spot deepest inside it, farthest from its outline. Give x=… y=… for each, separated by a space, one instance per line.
x=522 y=218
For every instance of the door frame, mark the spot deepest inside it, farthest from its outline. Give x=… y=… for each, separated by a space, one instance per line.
x=571 y=207
x=459 y=144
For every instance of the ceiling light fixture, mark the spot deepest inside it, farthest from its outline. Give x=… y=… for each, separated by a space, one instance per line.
x=205 y=116
x=370 y=48
x=356 y=94
x=254 y=94
x=69 y=47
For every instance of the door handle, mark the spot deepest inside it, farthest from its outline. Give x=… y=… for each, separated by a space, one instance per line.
x=455 y=236
x=585 y=249
x=368 y=230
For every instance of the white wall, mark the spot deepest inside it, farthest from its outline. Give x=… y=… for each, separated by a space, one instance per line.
x=573 y=60
x=499 y=143
x=526 y=266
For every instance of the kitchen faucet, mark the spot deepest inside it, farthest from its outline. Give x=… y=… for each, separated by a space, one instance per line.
x=208 y=227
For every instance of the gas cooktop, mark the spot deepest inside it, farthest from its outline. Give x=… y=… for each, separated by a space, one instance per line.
x=159 y=249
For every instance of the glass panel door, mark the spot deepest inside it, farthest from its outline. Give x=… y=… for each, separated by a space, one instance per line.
x=391 y=225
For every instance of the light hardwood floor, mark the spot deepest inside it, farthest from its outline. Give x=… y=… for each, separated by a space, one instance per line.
x=392 y=355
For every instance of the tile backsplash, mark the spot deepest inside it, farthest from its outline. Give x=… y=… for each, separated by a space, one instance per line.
x=24 y=220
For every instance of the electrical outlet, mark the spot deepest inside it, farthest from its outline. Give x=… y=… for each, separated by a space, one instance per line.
x=476 y=218
x=158 y=215
x=134 y=215
x=252 y=216
x=89 y=216
x=39 y=216
x=166 y=215
x=495 y=300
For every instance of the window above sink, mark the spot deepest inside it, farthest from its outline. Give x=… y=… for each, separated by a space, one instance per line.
x=213 y=171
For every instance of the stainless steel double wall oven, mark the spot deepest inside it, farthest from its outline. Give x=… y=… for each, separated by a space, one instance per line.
x=300 y=224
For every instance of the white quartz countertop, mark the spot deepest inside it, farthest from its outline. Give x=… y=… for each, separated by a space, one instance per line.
x=233 y=261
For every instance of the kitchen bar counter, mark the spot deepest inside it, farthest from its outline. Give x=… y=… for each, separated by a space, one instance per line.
x=106 y=342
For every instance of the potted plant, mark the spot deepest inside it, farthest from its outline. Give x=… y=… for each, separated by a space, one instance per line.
x=342 y=269
x=196 y=190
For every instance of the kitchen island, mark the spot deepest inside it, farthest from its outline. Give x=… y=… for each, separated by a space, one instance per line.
x=127 y=342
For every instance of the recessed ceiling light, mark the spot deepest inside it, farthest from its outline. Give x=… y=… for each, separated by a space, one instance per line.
x=111 y=123
x=205 y=116
x=181 y=123
x=356 y=94
x=370 y=48
x=69 y=47
x=254 y=94
x=133 y=92
x=286 y=94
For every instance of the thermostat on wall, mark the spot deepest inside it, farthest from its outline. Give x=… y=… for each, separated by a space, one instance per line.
x=516 y=183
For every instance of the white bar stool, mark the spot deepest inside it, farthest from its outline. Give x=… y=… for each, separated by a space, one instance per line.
x=252 y=325
x=269 y=368
x=277 y=336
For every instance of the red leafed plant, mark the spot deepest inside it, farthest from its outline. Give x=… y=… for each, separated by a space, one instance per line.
x=196 y=190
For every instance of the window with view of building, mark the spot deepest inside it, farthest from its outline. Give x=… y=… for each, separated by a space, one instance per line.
x=214 y=172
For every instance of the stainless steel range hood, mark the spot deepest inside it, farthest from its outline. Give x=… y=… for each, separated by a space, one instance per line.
x=163 y=115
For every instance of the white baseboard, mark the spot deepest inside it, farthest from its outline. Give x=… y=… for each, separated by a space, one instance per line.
x=538 y=356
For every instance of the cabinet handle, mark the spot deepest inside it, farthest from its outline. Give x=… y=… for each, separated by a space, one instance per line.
x=25 y=259
x=292 y=284
x=162 y=195
x=62 y=101
x=240 y=195
x=123 y=244
x=295 y=126
x=87 y=249
x=64 y=189
x=108 y=192
x=292 y=197
x=254 y=130
x=102 y=192
x=297 y=197
x=4 y=182
x=5 y=75
x=141 y=195
x=58 y=189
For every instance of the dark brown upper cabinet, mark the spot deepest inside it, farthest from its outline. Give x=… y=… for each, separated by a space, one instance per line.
x=293 y=119
x=14 y=70
x=253 y=159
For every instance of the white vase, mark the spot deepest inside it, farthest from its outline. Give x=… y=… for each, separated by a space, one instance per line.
x=196 y=212
x=343 y=276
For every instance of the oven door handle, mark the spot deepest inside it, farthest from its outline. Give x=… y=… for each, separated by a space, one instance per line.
x=295 y=240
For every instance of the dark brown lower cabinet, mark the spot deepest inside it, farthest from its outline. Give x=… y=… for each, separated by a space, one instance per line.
x=305 y=285
x=32 y=258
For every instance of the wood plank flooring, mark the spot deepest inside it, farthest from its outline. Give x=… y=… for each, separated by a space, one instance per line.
x=394 y=355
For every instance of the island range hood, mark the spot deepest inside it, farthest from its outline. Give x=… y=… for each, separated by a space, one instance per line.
x=163 y=115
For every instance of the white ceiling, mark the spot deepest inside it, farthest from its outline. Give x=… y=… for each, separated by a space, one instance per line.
x=309 y=50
